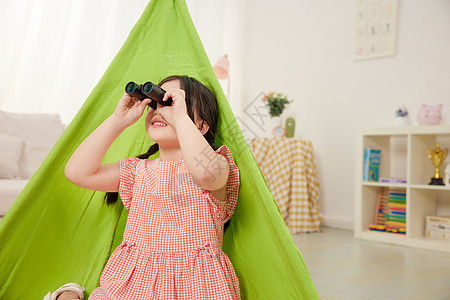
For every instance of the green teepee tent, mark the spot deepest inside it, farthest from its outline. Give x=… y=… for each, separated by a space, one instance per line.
x=57 y=233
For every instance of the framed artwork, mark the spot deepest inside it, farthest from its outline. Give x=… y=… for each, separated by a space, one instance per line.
x=375 y=28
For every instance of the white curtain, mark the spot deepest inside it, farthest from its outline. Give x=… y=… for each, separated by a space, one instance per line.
x=53 y=53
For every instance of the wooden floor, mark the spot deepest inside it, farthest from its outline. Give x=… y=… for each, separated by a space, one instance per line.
x=342 y=267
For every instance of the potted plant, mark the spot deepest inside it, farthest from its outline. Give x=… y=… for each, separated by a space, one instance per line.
x=276 y=102
x=401 y=117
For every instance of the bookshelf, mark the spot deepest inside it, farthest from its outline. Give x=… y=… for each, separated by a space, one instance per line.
x=403 y=155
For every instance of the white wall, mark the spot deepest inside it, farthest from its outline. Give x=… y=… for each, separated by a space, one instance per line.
x=305 y=49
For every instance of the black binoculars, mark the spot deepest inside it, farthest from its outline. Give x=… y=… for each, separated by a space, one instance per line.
x=148 y=90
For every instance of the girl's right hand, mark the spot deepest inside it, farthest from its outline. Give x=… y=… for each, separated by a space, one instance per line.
x=130 y=109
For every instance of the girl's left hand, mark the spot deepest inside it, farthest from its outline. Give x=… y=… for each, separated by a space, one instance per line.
x=178 y=108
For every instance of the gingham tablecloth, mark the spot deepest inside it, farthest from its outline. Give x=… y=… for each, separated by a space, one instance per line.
x=290 y=171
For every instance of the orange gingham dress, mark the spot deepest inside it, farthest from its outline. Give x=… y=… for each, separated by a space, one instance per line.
x=172 y=244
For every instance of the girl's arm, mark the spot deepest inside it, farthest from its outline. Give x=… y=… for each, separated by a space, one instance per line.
x=208 y=169
x=84 y=168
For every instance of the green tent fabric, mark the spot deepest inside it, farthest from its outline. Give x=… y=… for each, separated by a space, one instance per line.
x=57 y=233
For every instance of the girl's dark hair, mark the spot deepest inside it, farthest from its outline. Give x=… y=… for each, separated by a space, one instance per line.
x=200 y=102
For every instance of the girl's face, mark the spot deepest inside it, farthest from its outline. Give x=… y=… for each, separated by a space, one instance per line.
x=158 y=129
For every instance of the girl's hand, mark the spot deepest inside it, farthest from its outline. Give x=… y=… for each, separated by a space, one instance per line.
x=130 y=109
x=178 y=108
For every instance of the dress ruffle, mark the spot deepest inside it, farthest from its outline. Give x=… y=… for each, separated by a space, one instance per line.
x=207 y=270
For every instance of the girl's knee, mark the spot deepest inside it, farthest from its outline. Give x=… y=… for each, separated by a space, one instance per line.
x=68 y=296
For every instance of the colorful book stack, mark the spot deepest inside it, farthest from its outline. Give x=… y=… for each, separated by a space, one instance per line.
x=371 y=164
x=396 y=219
x=438 y=227
x=390 y=215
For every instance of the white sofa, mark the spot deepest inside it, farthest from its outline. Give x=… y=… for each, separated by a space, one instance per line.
x=25 y=141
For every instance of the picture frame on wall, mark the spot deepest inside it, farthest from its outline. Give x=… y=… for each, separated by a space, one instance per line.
x=375 y=28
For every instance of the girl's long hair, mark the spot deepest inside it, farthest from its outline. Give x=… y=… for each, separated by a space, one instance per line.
x=200 y=102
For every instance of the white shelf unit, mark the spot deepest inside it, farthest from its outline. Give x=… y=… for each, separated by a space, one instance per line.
x=403 y=154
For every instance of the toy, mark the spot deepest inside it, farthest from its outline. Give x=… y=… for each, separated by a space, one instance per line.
x=148 y=90
x=430 y=114
x=290 y=127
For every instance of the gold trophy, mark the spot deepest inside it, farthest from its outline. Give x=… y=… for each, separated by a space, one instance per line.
x=437 y=156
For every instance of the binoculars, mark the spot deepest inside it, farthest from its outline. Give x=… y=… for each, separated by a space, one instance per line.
x=148 y=90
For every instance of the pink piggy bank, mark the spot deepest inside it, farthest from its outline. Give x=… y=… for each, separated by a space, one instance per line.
x=430 y=114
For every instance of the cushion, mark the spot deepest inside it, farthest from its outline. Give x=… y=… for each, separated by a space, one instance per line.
x=10 y=155
x=43 y=128
x=9 y=191
x=40 y=132
x=32 y=158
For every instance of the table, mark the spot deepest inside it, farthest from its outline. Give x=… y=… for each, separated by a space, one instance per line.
x=290 y=171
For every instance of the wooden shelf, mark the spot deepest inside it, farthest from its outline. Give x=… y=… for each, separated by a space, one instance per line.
x=403 y=154
x=384 y=184
x=430 y=187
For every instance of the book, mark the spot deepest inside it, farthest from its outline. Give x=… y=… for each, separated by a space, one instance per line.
x=375 y=227
x=371 y=164
x=390 y=211
x=392 y=180
x=396 y=212
x=437 y=227
x=396 y=230
x=437 y=234
x=438 y=219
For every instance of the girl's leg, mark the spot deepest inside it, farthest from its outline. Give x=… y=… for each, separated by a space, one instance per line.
x=68 y=291
x=67 y=296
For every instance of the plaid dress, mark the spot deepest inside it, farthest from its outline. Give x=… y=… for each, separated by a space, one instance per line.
x=172 y=244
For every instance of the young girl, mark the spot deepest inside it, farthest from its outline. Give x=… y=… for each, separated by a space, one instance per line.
x=176 y=204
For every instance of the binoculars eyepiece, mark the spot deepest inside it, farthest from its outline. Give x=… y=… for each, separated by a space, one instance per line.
x=148 y=90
